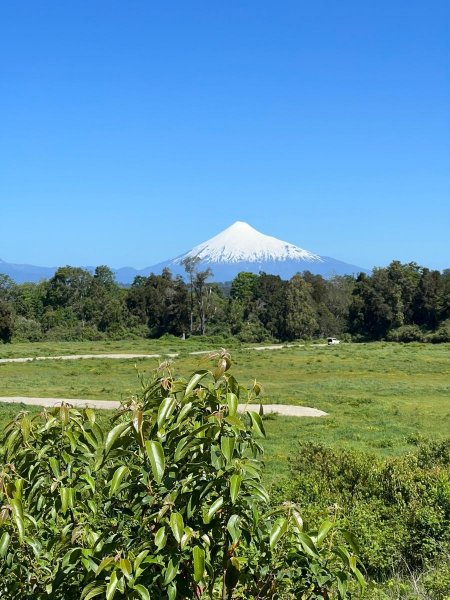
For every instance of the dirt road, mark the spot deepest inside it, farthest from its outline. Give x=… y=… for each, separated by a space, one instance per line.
x=281 y=409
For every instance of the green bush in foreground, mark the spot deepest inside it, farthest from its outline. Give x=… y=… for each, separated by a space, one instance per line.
x=166 y=504
x=397 y=507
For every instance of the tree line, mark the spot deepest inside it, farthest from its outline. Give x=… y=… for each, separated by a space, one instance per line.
x=401 y=302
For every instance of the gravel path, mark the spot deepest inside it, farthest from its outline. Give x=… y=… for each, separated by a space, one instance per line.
x=82 y=356
x=125 y=356
x=282 y=409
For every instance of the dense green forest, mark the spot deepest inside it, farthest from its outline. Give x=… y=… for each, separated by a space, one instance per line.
x=402 y=302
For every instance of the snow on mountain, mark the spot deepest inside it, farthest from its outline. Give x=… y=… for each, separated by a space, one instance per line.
x=240 y=247
x=242 y=243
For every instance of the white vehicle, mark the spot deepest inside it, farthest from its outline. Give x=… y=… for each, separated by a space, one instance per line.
x=332 y=341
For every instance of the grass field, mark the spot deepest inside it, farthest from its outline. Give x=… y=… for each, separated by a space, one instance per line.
x=380 y=397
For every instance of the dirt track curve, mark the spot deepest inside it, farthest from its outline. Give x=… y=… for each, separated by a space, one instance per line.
x=281 y=409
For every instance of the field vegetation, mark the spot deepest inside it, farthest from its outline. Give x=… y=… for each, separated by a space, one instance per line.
x=378 y=395
x=378 y=465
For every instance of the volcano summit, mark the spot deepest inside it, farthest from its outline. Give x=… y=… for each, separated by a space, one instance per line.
x=240 y=247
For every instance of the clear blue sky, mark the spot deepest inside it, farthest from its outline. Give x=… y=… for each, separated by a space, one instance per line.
x=131 y=131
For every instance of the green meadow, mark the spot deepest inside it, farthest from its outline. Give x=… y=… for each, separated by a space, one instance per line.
x=380 y=397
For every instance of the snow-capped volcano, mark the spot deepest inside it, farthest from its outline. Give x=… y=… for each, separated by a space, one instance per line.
x=240 y=247
x=241 y=242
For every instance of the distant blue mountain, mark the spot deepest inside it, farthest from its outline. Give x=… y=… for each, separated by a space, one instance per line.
x=23 y=273
x=238 y=248
x=227 y=272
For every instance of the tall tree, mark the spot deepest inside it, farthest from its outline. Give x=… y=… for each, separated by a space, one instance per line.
x=270 y=303
x=190 y=265
x=104 y=306
x=203 y=297
x=200 y=293
x=161 y=302
x=69 y=288
x=7 y=287
x=427 y=300
x=300 y=314
x=6 y=321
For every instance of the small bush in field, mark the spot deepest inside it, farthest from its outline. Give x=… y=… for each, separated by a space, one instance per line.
x=406 y=333
x=398 y=507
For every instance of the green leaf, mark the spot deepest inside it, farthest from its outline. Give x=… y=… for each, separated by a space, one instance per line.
x=71 y=558
x=91 y=592
x=342 y=583
x=117 y=479
x=198 y=376
x=359 y=577
x=113 y=435
x=17 y=511
x=155 y=454
x=257 y=424
x=112 y=586
x=89 y=480
x=4 y=543
x=215 y=506
x=172 y=591
x=166 y=408
x=323 y=531
x=307 y=544
x=105 y=563
x=139 y=558
x=125 y=567
x=67 y=499
x=142 y=591
x=64 y=414
x=235 y=486
x=90 y=414
x=184 y=411
x=279 y=528
x=351 y=540
x=232 y=403
x=34 y=544
x=235 y=421
x=199 y=563
x=72 y=440
x=177 y=525
x=227 y=445
x=184 y=445
x=297 y=519
x=258 y=490
x=233 y=527
x=54 y=465
x=161 y=538
x=170 y=572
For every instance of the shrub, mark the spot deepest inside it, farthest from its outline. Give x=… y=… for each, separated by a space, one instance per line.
x=398 y=507
x=441 y=335
x=406 y=333
x=167 y=503
x=27 y=330
x=253 y=331
x=75 y=333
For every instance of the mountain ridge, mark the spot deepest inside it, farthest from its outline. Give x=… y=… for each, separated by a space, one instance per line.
x=237 y=248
